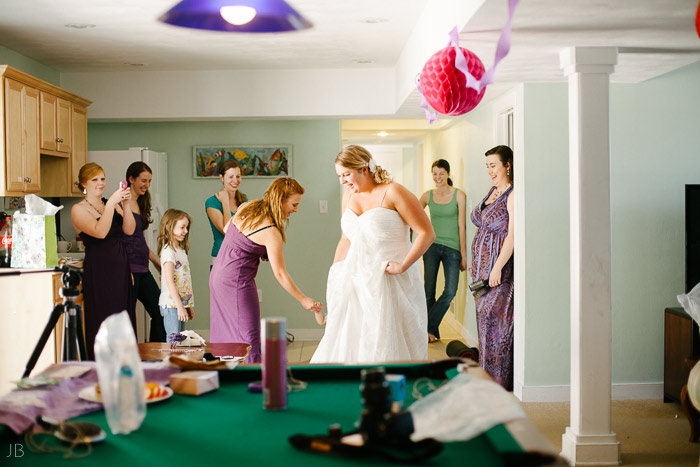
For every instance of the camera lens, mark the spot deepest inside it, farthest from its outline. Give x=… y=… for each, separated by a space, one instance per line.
x=376 y=403
x=375 y=389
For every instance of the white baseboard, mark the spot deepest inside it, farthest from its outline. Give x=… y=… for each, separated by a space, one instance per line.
x=622 y=391
x=452 y=321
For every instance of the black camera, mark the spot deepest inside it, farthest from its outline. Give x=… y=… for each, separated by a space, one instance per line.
x=479 y=288
x=71 y=278
x=377 y=423
x=380 y=432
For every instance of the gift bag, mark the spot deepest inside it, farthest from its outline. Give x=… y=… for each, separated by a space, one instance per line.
x=34 y=241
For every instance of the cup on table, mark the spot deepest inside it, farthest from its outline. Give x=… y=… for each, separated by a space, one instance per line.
x=64 y=247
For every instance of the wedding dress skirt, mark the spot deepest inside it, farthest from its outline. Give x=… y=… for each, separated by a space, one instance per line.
x=374 y=316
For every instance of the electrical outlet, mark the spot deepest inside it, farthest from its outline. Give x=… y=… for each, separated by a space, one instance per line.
x=323 y=206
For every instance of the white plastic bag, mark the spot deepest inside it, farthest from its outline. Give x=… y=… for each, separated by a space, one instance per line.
x=691 y=303
x=462 y=409
x=120 y=374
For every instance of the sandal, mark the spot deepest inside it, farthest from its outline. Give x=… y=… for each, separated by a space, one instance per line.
x=432 y=338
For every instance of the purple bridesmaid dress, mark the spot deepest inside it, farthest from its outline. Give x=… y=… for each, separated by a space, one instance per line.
x=106 y=280
x=234 y=306
x=494 y=310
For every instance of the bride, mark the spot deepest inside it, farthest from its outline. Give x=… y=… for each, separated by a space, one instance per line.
x=375 y=297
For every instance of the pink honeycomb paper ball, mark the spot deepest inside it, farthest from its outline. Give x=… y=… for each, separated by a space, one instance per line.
x=445 y=87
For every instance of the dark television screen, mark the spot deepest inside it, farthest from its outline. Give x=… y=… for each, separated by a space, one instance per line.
x=692 y=236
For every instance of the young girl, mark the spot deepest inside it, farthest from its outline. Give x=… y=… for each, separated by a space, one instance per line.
x=176 y=301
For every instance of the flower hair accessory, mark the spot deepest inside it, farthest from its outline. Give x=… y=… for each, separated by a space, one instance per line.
x=372 y=165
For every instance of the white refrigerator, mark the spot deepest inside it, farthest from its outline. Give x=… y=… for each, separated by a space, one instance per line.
x=115 y=164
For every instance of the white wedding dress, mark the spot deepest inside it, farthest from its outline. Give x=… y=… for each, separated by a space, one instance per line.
x=374 y=316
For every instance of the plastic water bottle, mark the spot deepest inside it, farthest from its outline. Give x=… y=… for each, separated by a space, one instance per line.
x=5 y=242
x=274 y=363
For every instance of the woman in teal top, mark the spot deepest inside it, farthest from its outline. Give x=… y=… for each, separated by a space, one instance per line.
x=223 y=205
x=448 y=216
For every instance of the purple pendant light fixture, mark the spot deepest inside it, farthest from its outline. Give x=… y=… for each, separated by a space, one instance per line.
x=236 y=16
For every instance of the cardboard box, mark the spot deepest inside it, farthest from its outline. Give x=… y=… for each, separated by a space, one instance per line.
x=194 y=383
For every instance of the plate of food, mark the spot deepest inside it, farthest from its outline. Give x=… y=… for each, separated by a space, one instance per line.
x=154 y=393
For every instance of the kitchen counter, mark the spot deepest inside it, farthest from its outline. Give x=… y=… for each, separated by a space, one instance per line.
x=29 y=296
x=16 y=271
x=28 y=299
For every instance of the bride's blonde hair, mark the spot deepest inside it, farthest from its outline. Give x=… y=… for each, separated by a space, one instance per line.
x=356 y=157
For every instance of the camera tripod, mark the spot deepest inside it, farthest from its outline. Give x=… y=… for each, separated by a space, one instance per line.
x=73 y=341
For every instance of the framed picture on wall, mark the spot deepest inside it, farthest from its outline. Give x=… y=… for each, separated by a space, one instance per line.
x=265 y=160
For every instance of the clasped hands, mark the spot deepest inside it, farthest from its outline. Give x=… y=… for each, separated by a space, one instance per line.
x=317 y=307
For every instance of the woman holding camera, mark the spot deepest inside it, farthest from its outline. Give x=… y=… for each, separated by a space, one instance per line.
x=492 y=261
x=102 y=224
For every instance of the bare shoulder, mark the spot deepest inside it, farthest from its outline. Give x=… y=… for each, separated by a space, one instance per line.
x=267 y=236
x=78 y=209
x=397 y=191
x=461 y=196
x=399 y=198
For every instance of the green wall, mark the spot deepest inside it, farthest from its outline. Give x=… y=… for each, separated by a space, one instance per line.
x=311 y=236
x=655 y=152
x=545 y=155
x=29 y=66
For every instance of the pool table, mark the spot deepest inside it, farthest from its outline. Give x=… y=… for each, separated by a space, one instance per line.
x=230 y=427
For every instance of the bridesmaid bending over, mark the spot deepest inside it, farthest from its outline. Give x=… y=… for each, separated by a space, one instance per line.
x=256 y=232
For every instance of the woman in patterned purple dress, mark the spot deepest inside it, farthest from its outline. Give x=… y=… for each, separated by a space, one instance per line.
x=492 y=260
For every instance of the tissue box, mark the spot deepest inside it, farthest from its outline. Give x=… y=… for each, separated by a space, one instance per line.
x=194 y=383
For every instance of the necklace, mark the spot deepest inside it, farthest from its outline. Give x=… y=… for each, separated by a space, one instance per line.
x=95 y=207
x=498 y=192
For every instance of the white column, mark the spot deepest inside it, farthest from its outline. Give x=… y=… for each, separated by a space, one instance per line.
x=589 y=439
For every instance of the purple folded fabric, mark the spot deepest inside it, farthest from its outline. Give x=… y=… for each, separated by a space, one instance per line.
x=20 y=408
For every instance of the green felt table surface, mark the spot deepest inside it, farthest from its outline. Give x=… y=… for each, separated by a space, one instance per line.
x=229 y=426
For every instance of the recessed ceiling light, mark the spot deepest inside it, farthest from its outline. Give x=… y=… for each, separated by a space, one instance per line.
x=382 y=134
x=375 y=20
x=80 y=25
x=363 y=61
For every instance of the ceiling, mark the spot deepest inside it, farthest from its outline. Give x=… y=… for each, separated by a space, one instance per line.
x=654 y=37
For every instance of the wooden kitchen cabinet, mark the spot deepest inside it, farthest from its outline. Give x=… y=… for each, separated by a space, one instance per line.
x=56 y=131
x=43 y=136
x=80 y=147
x=21 y=135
